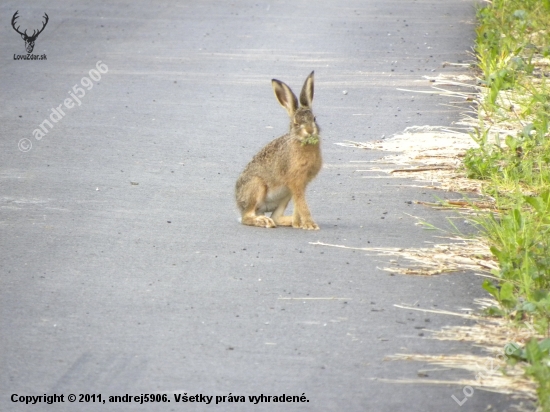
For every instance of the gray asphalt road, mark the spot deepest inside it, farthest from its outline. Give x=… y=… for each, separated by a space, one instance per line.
x=124 y=269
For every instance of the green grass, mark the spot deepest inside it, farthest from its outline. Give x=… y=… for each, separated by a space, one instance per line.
x=513 y=158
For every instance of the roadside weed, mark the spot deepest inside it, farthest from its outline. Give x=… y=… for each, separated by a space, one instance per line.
x=513 y=157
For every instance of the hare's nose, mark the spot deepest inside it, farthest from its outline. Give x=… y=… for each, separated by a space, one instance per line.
x=311 y=129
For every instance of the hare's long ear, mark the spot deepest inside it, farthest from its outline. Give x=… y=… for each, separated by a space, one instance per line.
x=284 y=95
x=306 y=97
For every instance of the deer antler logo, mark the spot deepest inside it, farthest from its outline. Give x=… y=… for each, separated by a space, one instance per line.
x=29 y=40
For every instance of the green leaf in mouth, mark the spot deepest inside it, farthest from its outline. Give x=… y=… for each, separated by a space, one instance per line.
x=311 y=139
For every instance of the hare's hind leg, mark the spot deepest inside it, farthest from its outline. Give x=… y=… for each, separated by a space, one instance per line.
x=277 y=214
x=252 y=219
x=253 y=195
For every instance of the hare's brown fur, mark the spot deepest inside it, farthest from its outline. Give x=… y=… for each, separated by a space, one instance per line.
x=282 y=169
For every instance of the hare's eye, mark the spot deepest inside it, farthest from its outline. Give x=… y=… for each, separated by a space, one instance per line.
x=314 y=119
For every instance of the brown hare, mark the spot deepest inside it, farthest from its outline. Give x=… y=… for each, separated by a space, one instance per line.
x=282 y=169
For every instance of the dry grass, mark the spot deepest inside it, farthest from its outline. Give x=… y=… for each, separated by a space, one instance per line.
x=427 y=154
x=490 y=372
x=461 y=255
x=433 y=156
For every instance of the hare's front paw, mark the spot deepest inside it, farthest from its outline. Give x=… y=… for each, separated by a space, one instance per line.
x=307 y=225
x=311 y=225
